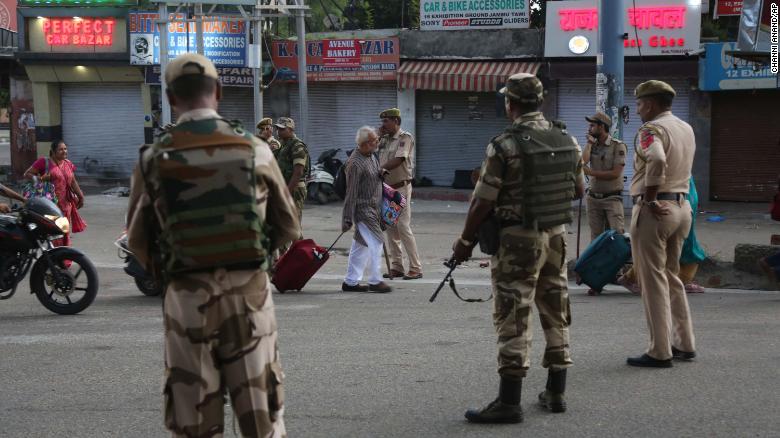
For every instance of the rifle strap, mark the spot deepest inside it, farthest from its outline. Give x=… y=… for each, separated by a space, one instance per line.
x=467 y=300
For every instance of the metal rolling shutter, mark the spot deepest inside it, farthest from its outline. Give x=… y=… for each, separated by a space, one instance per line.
x=745 y=159
x=237 y=104
x=103 y=125
x=454 y=142
x=577 y=99
x=338 y=110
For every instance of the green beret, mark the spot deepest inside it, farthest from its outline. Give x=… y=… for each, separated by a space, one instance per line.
x=392 y=112
x=653 y=87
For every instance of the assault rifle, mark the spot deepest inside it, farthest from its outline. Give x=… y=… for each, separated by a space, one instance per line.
x=452 y=264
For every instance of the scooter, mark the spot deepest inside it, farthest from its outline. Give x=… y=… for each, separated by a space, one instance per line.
x=143 y=280
x=62 y=278
x=319 y=183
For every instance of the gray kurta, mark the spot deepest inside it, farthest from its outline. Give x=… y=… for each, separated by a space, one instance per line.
x=364 y=194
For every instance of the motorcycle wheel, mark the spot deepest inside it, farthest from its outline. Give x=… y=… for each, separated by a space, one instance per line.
x=322 y=195
x=148 y=286
x=66 y=291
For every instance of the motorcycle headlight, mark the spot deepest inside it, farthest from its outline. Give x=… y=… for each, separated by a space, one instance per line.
x=61 y=222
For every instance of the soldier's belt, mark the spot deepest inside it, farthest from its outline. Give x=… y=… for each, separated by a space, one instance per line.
x=665 y=196
x=604 y=195
x=511 y=223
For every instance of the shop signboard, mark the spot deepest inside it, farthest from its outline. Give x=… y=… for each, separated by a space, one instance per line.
x=721 y=71
x=474 y=14
x=77 y=3
x=8 y=15
x=77 y=34
x=654 y=28
x=228 y=76
x=378 y=60
x=224 y=42
x=727 y=8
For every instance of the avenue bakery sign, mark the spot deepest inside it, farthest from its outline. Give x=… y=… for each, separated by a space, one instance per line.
x=654 y=27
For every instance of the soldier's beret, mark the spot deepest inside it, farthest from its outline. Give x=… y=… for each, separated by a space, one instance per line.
x=285 y=122
x=653 y=87
x=190 y=64
x=392 y=112
x=265 y=122
x=600 y=117
x=524 y=87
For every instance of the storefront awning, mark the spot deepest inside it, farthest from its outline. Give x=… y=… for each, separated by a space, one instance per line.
x=460 y=75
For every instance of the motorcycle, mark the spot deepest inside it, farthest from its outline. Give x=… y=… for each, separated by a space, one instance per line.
x=62 y=278
x=143 y=280
x=319 y=184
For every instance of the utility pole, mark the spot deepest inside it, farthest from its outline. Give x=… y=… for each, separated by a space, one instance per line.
x=303 y=89
x=257 y=39
x=609 y=62
x=166 y=106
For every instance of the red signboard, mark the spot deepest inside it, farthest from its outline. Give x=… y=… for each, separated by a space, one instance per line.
x=79 y=31
x=8 y=14
x=339 y=60
x=728 y=7
x=341 y=53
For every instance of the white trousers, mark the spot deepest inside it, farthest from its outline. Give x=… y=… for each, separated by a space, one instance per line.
x=360 y=256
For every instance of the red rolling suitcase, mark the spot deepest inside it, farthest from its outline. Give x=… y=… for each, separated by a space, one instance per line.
x=296 y=267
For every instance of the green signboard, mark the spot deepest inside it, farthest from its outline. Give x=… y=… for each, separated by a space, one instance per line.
x=78 y=2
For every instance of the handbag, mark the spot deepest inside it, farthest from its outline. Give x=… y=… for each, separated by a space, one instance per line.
x=393 y=204
x=40 y=188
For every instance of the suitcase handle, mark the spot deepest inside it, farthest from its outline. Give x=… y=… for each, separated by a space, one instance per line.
x=336 y=241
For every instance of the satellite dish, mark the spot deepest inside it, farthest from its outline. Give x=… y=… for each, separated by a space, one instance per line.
x=332 y=22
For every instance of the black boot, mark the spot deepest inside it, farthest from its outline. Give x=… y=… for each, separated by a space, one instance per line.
x=505 y=409
x=553 y=397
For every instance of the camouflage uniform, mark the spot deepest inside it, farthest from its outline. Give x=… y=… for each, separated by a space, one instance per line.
x=292 y=153
x=530 y=266
x=220 y=327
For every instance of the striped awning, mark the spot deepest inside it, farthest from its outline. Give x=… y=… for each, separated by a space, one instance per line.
x=460 y=75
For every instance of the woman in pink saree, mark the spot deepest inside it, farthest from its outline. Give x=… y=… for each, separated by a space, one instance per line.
x=61 y=172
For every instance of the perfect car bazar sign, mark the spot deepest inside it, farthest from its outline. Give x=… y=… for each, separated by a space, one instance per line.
x=654 y=27
x=474 y=14
x=339 y=60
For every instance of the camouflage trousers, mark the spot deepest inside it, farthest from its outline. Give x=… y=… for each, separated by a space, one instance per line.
x=530 y=267
x=220 y=336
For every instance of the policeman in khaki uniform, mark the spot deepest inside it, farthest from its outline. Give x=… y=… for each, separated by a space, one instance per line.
x=396 y=156
x=265 y=131
x=660 y=222
x=606 y=158
x=220 y=326
x=532 y=205
x=293 y=158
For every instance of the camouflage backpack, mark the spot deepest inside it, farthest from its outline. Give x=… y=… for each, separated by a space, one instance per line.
x=202 y=176
x=550 y=158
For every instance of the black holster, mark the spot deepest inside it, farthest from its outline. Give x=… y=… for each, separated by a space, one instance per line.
x=489 y=235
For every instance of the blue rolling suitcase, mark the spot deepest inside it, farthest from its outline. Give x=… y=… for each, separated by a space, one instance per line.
x=602 y=259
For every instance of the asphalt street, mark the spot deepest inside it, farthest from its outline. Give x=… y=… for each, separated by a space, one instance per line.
x=393 y=365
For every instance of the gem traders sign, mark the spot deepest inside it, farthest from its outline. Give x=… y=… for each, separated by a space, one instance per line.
x=656 y=27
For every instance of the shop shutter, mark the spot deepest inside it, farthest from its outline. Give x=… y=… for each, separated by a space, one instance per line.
x=577 y=99
x=458 y=140
x=103 y=125
x=745 y=160
x=337 y=110
x=237 y=104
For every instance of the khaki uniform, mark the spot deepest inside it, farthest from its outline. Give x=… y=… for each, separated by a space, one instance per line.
x=294 y=152
x=220 y=327
x=530 y=267
x=664 y=149
x=274 y=144
x=605 y=202
x=401 y=145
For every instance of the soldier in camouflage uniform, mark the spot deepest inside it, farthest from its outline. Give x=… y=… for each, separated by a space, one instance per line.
x=530 y=264
x=220 y=326
x=265 y=131
x=293 y=158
